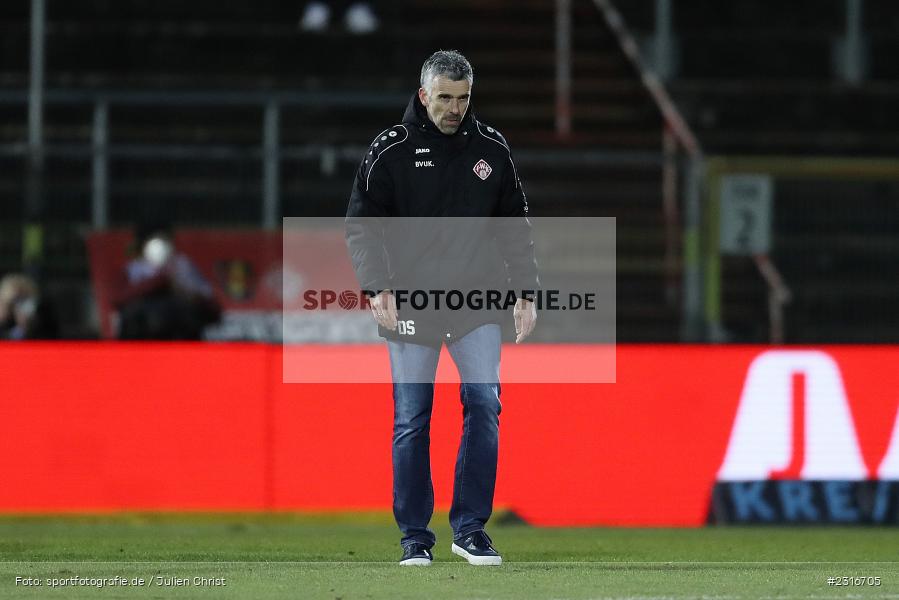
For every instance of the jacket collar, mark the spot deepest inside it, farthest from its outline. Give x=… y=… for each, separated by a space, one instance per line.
x=416 y=115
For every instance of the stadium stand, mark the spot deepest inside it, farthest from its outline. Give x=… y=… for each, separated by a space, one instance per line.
x=169 y=46
x=753 y=79
x=758 y=78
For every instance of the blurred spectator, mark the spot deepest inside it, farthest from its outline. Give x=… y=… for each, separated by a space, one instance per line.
x=359 y=18
x=23 y=314
x=166 y=298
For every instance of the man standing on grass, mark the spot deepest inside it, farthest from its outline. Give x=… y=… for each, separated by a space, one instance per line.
x=442 y=162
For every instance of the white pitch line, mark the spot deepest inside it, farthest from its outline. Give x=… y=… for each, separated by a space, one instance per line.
x=506 y=562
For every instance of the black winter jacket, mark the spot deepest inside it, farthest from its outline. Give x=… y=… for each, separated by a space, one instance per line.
x=413 y=170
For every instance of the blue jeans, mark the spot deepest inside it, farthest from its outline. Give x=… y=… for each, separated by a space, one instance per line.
x=413 y=367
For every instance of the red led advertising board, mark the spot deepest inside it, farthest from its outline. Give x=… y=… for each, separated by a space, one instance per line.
x=115 y=426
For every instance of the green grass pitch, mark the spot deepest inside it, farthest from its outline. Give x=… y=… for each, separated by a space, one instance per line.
x=348 y=557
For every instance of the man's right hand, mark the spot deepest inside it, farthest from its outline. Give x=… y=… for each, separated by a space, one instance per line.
x=383 y=307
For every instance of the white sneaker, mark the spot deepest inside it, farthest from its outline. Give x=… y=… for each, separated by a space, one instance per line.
x=360 y=19
x=477 y=548
x=315 y=17
x=416 y=555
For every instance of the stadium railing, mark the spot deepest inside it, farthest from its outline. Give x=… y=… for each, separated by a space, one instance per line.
x=834 y=236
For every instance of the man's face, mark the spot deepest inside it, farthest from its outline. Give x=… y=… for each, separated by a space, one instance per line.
x=446 y=102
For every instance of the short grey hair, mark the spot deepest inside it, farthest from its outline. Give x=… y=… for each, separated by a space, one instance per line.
x=446 y=63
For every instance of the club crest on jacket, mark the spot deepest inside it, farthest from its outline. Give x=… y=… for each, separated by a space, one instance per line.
x=482 y=169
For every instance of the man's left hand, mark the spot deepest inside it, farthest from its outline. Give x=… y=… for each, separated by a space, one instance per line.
x=525 y=319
